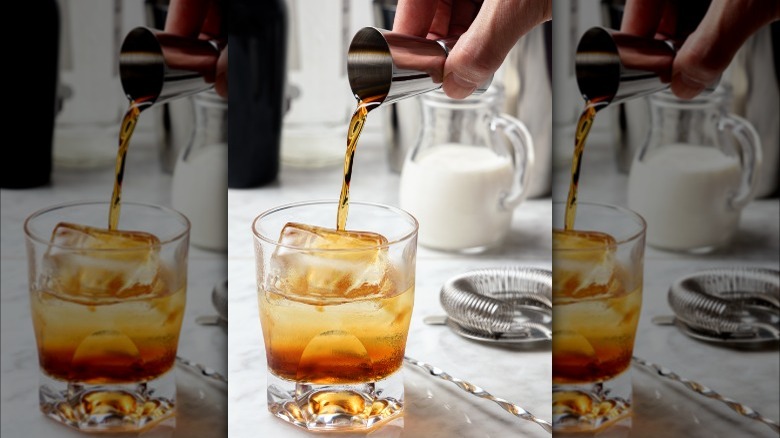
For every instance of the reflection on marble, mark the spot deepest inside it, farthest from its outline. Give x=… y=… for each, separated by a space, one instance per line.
x=203 y=407
x=200 y=412
x=435 y=408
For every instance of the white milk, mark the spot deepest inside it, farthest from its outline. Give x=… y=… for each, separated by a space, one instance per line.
x=199 y=191
x=454 y=191
x=683 y=193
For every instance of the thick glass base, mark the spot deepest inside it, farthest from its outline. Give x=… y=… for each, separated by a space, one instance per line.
x=337 y=407
x=589 y=407
x=128 y=407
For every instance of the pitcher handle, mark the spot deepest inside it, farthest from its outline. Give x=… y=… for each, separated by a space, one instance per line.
x=522 y=153
x=749 y=149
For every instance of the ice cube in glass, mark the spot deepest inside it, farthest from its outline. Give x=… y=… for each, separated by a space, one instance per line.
x=584 y=263
x=86 y=262
x=332 y=264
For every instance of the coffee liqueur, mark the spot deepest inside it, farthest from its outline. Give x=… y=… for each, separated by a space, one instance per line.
x=581 y=135
x=125 y=134
x=355 y=128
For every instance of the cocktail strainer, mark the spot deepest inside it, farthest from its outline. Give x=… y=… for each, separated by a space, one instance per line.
x=729 y=303
x=511 y=304
x=501 y=305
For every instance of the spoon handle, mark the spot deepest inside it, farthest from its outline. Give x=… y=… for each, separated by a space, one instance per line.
x=707 y=392
x=202 y=370
x=512 y=408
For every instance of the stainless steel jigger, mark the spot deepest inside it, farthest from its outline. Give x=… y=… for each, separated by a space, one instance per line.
x=384 y=67
x=613 y=66
x=156 y=66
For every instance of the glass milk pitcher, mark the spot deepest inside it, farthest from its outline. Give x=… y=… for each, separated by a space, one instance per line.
x=468 y=171
x=199 y=183
x=695 y=172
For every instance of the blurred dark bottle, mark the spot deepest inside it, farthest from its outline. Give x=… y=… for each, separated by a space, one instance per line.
x=30 y=164
x=257 y=44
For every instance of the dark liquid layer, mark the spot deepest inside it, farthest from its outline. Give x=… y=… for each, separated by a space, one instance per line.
x=108 y=367
x=328 y=368
x=610 y=359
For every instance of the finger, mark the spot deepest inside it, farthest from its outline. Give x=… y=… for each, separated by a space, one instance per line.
x=414 y=17
x=186 y=17
x=680 y=19
x=481 y=50
x=463 y=14
x=440 y=26
x=667 y=27
x=212 y=28
x=221 y=84
x=710 y=48
x=642 y=17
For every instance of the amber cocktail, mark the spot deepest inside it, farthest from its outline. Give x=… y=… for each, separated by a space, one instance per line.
x=335 y=308
x=597 y=297
x=107 y=308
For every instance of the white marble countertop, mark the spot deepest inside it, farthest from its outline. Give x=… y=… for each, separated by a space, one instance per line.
x=202 y=410
x=435 y=408
x=664 y=408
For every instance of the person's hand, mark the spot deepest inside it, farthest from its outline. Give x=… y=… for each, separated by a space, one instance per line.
x=201 y=19
x=488 y=30
x=709 y=49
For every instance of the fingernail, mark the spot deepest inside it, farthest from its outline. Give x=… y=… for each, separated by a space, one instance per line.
x=687 y=87
x=456 y=87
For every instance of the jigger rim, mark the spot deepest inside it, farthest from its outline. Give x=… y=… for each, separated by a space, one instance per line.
x=607 y=56
x=157 y=66
x=379 y=62
x=145 y=37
